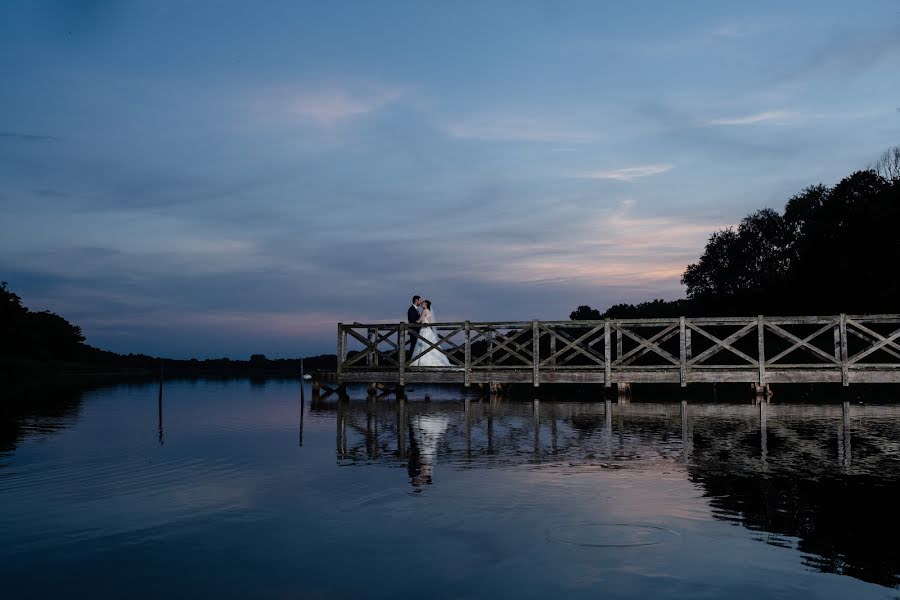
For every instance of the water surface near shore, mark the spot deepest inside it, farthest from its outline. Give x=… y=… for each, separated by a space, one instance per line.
x=241 y=489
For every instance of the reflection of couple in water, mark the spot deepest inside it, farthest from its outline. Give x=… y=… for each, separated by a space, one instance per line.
x=425 y=433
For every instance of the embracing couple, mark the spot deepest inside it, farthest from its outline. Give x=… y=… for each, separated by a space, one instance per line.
x=422 y=335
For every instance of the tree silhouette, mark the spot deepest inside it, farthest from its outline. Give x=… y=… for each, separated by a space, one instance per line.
x=831 y=250
x=888 y=164
x=585 y=313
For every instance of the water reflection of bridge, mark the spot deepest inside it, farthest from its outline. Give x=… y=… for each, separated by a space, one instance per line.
x=759 y=350
x=819 y=478
x=482 y=431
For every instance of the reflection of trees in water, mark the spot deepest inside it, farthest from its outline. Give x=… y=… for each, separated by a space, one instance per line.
x=808 y=486
x=845 y=524
x=785 y=470
x=36 y=412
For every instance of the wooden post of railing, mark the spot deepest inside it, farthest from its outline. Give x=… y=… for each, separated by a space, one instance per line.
x=552 y=349
x=341 y=348
x=535 y=352
x=402 y=351
x=468 y=356
x=837 y=341
x=619 y=337
x=370 y=335
x=682 y=336
x=607 y=353
x=845 y=374
x=490 y=332
x=687 y=343
x=761 y=334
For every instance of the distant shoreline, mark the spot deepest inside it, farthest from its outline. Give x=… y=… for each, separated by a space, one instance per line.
x=22 y=372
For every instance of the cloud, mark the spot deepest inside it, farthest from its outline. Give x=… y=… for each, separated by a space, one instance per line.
x=616 y=250
x=328 y=105
x=751 y=119
x=784 y=116
x=602 y=250
x=729 y=31
x=28 y=137
x=627 y=173
x=517 y=129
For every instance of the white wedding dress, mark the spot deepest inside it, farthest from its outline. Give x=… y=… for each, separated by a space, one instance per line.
x=432 y=358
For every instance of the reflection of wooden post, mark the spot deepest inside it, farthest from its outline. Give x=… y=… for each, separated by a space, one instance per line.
x=302 y=405
x=341 y=440
x=608 y=414
x=554 y=432
x=371 y=430
x=468 y=409
x=401 y=427
x=763 y=435
x=684 y=430
x=845 y=410
x=490 y=426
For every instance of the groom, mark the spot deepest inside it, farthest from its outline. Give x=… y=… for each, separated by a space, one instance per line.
x=412 y=315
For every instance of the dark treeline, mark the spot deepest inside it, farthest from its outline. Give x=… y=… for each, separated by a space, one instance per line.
x=831 y=250
x=45 y=345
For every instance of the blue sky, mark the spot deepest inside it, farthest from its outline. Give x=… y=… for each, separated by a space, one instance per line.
x=221 y=178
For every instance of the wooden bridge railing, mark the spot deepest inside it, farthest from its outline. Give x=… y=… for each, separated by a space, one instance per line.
x=762 y=350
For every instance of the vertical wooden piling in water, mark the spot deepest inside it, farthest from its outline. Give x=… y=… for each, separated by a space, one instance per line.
x=623 y=392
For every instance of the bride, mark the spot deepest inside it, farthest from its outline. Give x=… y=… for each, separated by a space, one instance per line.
x=434 y=357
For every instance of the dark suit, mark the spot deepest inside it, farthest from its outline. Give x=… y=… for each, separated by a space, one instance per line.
x=412 y=315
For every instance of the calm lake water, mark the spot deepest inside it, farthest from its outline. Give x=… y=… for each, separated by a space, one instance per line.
x=236 y=489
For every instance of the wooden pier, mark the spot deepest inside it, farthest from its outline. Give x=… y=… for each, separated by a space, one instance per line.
x=759 y=350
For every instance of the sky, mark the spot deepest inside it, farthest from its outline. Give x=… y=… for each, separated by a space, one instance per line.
x=220 y=178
